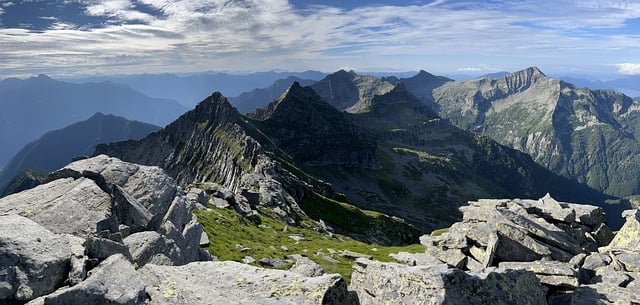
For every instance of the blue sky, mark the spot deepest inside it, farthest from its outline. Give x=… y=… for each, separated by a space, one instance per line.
x=88 y=37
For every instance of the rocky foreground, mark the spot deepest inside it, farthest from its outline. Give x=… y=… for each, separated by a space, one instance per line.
x=103 y=231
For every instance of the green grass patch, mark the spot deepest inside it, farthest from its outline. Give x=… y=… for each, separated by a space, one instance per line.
x=226 y=229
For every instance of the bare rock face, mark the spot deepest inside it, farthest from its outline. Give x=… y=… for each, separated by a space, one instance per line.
x=236 y=283
x=391 y=283
x=114 y=281
x=67 y=205
x=91 y=211
x=563 y=244
x=33 y=260
x=628 y=238
x=519 y=230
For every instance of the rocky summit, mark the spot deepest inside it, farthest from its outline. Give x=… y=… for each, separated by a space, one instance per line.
x=104 y=231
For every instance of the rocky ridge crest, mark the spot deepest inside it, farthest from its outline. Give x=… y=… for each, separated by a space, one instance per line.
x=585 y=135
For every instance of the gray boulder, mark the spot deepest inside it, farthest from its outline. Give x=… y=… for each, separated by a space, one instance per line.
x=33 y=260
x=114 y=281
x=149 y=185
x=67 y=205
x=151 y=247
x=235 y=283
x=305 y=267
x=628 y=238
x=550 y=273
x=391 y=283
x=130 y=213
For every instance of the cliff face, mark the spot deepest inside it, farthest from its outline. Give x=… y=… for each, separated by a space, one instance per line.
x=585 y=135
x=207 y=143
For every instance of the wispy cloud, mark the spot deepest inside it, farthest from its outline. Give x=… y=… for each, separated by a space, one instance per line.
x=629 y=68
x=195 y=35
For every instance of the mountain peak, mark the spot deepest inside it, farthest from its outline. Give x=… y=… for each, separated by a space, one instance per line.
x=423 y=73
x=523 y=79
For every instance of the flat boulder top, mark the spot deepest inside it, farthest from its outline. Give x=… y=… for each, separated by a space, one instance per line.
x=149 y=185
x=68 y=205
x=235 y=283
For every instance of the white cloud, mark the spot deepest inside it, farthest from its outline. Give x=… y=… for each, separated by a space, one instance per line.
x=195 y=35
x=470 y=69
x=628 y=68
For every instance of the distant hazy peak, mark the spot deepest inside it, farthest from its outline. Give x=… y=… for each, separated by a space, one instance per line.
x=343 y=74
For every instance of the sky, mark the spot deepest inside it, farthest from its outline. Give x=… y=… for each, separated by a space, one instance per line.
x=105 y=37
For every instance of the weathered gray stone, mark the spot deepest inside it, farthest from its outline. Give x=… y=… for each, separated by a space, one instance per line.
x=62 y=206
x=596 y=260
x=516 y=245
x=453 y=257
x=628 y=238
x=578 y=260
x=33 y=260
x=354 y=255
x=149 y=185
x=415 y=259
x=192 y=233
x=78 y=261
x=235 y=283
x=630 y=260
x=549 y=273
x=180 y=213
x=114 y=281
x=102 y=248
x=304 y=266
x=589 y=215
x=552 y=210
x=150 y=246
x=391 y=283
x=447 y=240
x=220 y=203
x=129 y=211
x=204 y=240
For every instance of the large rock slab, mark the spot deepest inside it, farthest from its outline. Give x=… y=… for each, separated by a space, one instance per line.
x=391 y=283
x=236 y=283
x=149 y=185
x=114 y=282
x=151 y=247
x=550 y=273
x=33 y=260
x=68 y=205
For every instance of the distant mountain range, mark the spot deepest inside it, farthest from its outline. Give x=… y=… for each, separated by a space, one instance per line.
x=189 y=89
x=56 y=148
x=37 y=105
x=392 y=155
x=629 y=85
x=259 y=98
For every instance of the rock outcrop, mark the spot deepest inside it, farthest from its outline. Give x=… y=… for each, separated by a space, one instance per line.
x=236 y=283
x=391 y=283
x=128 y=236
x=565 y=250
x=89 y=211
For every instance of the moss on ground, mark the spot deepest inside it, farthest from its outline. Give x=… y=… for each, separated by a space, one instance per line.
x=273 y=239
